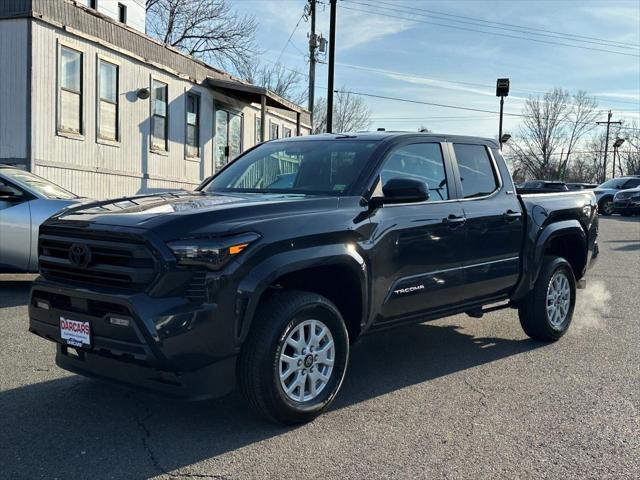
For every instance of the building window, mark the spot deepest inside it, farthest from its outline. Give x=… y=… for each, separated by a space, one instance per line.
x=93 y=4
x=258 y=129
x=122 y=13
x=70 y=93
x=287 y=132
x=193 y=125
x=274 y=131
x=108 y=105
x=159 y=115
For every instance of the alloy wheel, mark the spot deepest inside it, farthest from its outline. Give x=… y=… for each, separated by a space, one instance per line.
x=306 y=360
x=558 y=299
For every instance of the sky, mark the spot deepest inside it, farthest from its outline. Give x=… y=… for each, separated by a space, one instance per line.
x=385 y=48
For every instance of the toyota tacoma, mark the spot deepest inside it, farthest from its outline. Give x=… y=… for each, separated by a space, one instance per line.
x=264 y=276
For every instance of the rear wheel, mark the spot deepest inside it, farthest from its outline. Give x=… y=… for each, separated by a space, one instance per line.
x=605 y=207
x=547 y=311
x=293 y=363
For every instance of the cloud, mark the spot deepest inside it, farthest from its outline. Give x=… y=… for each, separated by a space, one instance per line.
x=357 y=28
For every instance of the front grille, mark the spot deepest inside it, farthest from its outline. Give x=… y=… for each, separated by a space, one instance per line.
x=104 y=260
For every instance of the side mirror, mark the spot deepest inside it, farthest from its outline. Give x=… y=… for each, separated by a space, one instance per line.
x=7 y=193
x=404 y=190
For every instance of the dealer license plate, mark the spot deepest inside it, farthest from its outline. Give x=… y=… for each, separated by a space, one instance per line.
x=75 y=333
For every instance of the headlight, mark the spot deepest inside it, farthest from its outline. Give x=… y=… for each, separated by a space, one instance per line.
x=213 y=253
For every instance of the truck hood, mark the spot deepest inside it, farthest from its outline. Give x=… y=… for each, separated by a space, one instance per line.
x=172 y=215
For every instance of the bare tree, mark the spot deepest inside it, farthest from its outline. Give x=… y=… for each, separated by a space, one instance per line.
x=537 y=147
x=629 y=153
x=350 y=113
x=552 y=128
x=286 y=82
x=582 y=117
x=206 y=29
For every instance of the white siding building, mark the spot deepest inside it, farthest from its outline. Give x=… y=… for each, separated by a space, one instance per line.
x=103 y=110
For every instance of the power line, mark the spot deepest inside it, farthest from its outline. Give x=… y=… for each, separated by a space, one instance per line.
x=290 y=37
x=508 y=26
x=456 y=107
x=479 y=85
x=388 y=15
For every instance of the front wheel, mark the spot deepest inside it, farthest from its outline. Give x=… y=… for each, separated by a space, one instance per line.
x=546 y=313
x=293 y=363
x=605 y=207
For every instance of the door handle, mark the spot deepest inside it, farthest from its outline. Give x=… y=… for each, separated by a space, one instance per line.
x=511 y=216
x=454 y=221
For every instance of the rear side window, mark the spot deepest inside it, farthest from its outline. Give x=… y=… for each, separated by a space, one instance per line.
x=420 y=161
x=476 y=170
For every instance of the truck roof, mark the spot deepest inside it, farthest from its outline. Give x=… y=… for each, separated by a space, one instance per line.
x=382 y=135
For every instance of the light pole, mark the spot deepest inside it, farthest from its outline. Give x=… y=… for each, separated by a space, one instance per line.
x=616 y=146
x=502 y=90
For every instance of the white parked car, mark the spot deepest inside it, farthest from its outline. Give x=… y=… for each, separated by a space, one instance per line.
x=26 y=200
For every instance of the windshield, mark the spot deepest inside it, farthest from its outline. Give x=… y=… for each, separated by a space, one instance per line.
x=613 y=183
x=298 y=167
x=37 y=184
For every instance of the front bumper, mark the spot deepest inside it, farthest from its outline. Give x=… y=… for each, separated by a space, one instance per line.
x=212 y=381
x=626 y=206
x=171 y=345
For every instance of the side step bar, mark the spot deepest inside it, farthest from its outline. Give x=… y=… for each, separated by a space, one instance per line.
x=478 y=312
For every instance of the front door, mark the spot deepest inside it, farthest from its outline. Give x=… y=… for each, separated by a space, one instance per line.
x=416 y=263
x=228 y=137
x=15 y=228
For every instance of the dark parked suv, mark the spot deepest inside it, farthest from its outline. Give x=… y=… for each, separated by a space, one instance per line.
x=265 y=276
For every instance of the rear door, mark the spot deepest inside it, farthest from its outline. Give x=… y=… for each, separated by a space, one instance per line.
x=415 y=254
x=494 y=221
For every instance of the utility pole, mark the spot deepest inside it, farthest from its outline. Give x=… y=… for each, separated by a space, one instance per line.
x=313 y=44
x=606 y=145
x=332 y=57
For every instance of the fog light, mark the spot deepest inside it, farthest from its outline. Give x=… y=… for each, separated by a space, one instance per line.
x=42 y=304
x=121 y=322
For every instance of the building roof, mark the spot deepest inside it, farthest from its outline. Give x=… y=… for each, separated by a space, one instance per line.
x=80 y=20
x=253 y=93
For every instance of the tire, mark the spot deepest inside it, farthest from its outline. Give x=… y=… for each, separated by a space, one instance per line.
x=278 y=324
x=605 y=206
x=533 y=312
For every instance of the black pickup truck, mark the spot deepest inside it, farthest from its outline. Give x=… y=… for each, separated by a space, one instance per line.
x=264 y=276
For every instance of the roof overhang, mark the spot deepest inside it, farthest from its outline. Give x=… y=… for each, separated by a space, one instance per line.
x=253 y=93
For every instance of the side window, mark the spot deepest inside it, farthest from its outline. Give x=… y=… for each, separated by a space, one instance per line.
x=420 y=161
x=10 y=191
x=476 y=170
x=633 y=183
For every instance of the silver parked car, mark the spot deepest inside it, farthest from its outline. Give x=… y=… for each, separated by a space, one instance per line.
x=26 y=200
x=606 y=191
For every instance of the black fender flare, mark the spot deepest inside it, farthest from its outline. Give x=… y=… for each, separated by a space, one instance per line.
x=252 y=287
x=534 y=252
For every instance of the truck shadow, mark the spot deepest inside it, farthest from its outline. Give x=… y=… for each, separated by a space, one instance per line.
x=14 y=293
x=81 y=425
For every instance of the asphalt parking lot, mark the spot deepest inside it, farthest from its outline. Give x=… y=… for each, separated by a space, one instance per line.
x=455 y=398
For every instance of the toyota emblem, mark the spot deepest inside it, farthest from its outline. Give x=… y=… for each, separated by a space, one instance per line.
x=79 y=255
